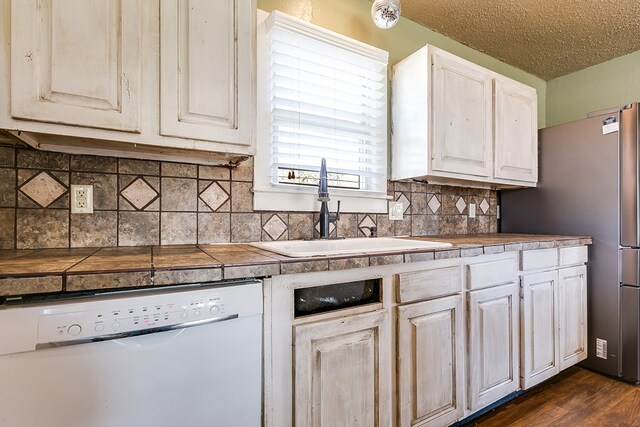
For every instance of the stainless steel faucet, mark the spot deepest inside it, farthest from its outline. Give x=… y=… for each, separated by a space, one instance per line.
x=323 y=196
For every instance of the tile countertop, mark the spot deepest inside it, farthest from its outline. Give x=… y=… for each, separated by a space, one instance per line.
x=24 y=272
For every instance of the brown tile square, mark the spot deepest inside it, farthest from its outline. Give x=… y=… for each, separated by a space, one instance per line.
x=32 y=159
x=8 y=188
x=449 y=204
x=217 y=173
x=25 y=202
x=179 y=195
x=94 y=164
x=385 y=225
x=245 y=227
x=178 y=228
x=179 y=170
x=402 y=228
x=214 y=228
x=138 y=167
x=419 y=204
x=7 y=228
x=138 y=228
x=241 y=197
x=105 y=188
x=300 y=226
x=81 y=282
x=7 y=157
x=347 y=225
x=419 y=187
x=402 y=186
x=242 y=173
x=304 y=266
x=174 y=277
x=94 y=230
x=453 y=224
x=42 y=228
x=30 y=285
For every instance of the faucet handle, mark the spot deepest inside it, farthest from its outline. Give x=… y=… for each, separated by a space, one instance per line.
x=338 y=212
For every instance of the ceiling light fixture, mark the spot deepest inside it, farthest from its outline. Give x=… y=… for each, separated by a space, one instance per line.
x=385 y=13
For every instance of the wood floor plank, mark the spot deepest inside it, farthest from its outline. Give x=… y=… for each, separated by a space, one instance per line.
x=575 y=397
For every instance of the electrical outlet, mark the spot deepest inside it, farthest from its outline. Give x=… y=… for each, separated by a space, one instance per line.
x=472 y=210
x=82 y=199
x=396 y=210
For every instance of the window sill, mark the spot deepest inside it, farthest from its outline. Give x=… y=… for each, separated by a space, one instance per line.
x=296 y=200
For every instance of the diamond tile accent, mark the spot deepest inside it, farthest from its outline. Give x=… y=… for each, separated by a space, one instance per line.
x=434 y=204
x=139 y=193
x=405 y=202
x=461 y=205
x=484 y=206
x=44 y=189
x=366 y=222
x=214 y=196
x=275 y=227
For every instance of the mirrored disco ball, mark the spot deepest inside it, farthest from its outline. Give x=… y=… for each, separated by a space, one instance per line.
x=385 y=13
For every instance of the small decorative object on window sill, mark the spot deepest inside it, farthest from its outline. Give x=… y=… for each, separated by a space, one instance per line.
x=385 y=13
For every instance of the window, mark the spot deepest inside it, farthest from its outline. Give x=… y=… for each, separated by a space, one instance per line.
x=320 y=95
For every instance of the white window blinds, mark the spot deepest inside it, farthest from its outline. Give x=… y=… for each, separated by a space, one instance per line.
x=328 y=99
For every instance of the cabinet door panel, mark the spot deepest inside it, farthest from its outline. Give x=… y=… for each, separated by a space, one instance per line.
x=516 y=127
x=573 y=315
x=462 y=112
x=76 y=62
x=342 y=372
x=430 y=362
x=493 y=344
x=205 y=75
x=539 y=326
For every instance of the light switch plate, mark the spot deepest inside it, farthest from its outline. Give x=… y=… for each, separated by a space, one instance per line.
x=396 y=210
x=472 y=210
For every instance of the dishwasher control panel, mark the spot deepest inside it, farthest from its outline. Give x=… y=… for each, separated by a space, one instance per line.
x=131 y=315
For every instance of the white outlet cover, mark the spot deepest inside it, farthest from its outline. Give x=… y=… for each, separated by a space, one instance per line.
x=472 y=210
x=77 y=202
x=396 y=210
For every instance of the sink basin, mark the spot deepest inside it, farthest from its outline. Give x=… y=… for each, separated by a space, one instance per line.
x=309 y=248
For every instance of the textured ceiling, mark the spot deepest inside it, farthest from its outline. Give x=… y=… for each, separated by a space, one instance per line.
x=547 y=38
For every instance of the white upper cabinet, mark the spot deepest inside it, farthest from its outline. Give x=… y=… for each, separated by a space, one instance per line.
x=76 y=62
x=462 y=139
x=201 y=65
x=455 y=122
x=161 y=79
x=516 y=128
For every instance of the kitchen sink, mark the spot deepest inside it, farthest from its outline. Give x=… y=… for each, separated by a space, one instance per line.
x=310 y=248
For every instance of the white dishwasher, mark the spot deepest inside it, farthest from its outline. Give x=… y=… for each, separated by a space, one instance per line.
x=171 y=357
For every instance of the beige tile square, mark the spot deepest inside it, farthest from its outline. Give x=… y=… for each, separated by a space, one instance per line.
x=214 y=228
x=242 y=173
x=105 y=188
x=274 y=227
x=139 y=193
x=42 y=228
x=178 y=228
x=138 y=228
x=214 y=196
x=99 y=229
x=245 y=227
x=241 y=197
x=7 y=228
x=179 y=195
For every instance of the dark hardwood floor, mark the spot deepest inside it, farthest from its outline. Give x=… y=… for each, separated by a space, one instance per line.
x=575 y=397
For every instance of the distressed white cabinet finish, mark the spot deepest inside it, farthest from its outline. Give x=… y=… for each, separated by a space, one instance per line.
x=516 y=130
x=572 y=305
x=493 y=351
x=155 y=79
x=539 y=327
x=430 y=362
x=341 y=370
x=462 y=133
x=205 y=76
x=76 y=62
x=455 y=123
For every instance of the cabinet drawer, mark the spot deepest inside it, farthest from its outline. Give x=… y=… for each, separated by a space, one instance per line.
x=498 y=272
x=540 y=258
x=427 y=284
x=573 y=255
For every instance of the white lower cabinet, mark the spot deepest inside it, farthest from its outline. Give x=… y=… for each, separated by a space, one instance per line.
x=430 y=362
x=493 y=352
x=539 y=331
x=572 y=306
x=341 y=368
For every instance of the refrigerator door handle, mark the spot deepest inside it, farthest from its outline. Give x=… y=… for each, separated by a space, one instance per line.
x=629 y=175
x=630 y=268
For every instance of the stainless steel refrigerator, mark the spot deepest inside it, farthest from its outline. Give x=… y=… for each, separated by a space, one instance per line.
x=589 y=173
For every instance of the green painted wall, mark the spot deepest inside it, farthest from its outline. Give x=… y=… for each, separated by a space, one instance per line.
x=352 y=18
x=610 y=84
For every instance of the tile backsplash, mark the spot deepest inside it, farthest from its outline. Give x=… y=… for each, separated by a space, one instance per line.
x=140 y=202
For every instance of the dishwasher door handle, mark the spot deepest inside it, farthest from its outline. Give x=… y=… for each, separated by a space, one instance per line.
x=136 y=333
